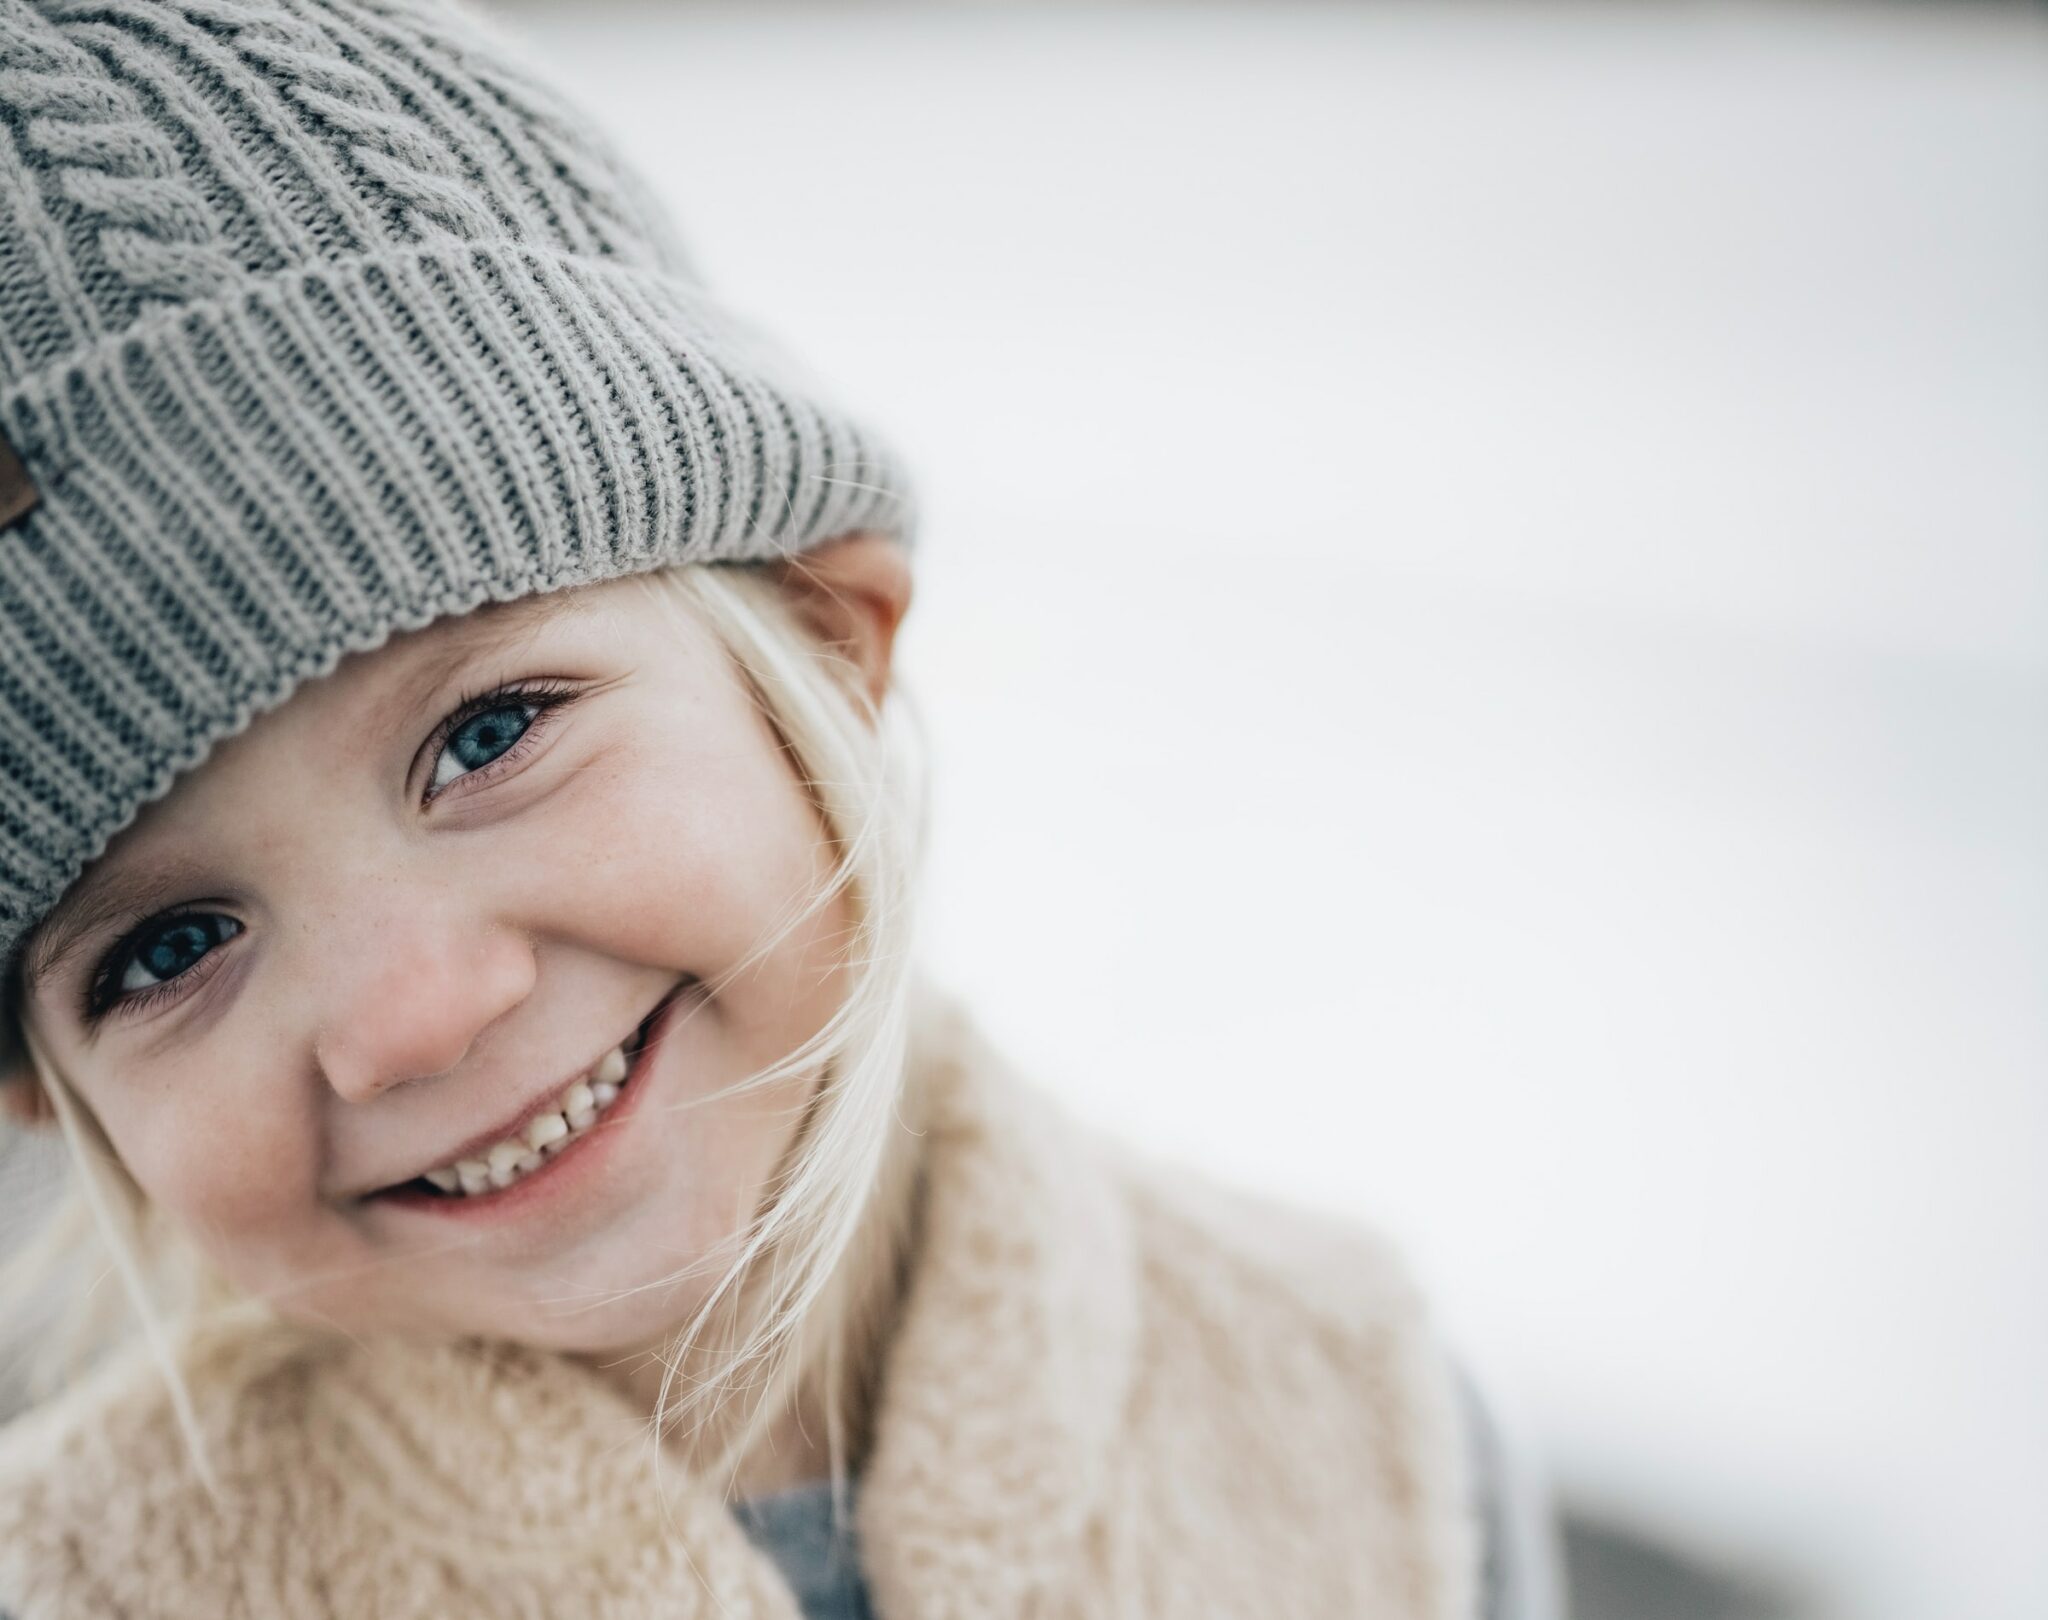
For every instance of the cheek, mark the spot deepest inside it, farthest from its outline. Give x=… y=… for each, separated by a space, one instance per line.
x=229 y=1158
x=690 y=845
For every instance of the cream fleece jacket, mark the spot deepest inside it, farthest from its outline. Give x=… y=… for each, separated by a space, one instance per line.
x=1117 y=1389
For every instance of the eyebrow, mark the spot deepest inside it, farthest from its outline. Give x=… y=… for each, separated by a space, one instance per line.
x=101 y=896
x=495 y=627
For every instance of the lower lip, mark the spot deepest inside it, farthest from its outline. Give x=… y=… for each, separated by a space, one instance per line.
x=575 y=1165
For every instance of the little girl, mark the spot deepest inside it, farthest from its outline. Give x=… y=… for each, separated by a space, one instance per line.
x=455 y=873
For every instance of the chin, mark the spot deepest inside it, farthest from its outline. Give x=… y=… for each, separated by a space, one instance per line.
x=595 y=1314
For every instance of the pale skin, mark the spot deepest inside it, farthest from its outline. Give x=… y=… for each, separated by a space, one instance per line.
x=377 y=936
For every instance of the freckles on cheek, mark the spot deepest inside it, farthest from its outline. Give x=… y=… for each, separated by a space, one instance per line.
x=702 y=848
x=225 y=1166
x=239 y=1190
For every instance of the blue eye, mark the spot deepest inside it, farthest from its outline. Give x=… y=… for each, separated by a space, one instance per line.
x=170 y=948
x=481 y=739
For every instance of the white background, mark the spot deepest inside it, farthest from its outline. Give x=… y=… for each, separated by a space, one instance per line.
x=1484 y=621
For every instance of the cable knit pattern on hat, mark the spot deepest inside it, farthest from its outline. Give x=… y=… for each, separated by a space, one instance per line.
x=1116 y=1391
x=319 y=322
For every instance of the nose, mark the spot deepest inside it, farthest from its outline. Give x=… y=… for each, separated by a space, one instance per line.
x=424 y=985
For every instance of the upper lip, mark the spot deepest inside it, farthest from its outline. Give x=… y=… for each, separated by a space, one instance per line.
x=481 y=1143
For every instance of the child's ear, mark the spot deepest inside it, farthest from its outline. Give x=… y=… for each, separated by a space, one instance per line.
x=22 y=1098
x=853 y=593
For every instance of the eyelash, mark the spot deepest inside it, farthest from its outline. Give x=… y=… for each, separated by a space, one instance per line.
x=103 y=994
x=543 y=696
x=104 y=998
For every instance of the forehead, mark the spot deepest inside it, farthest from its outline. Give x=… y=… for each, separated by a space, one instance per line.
x=416 y=660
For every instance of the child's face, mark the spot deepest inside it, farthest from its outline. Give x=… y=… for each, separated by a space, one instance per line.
x=385 y=928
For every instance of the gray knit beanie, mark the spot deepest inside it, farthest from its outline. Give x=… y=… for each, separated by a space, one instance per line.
x=320 y=320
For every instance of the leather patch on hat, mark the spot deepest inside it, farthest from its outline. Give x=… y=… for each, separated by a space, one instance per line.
x=18 y=492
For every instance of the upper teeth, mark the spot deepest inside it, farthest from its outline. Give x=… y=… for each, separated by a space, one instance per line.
x=575 y=1111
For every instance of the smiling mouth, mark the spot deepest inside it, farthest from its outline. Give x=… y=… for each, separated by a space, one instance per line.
x=565 y=1121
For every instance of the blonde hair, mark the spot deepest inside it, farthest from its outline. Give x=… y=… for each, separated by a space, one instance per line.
x=799 y=1306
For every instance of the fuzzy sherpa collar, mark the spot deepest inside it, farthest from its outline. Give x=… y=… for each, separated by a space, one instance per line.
x=1113 y=1390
